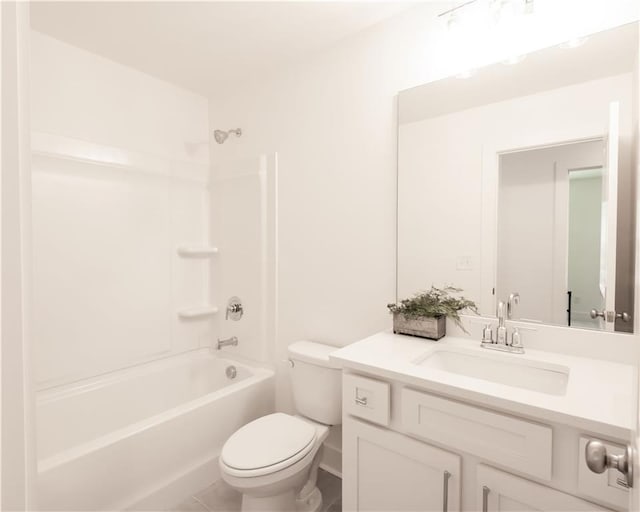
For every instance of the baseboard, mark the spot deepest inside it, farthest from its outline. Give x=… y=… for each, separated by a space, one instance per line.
x=332 y=460
x=178 y=489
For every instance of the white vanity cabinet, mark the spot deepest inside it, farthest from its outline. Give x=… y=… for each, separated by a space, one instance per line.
x=387 y=471
x=407 y=449
x=498 y=491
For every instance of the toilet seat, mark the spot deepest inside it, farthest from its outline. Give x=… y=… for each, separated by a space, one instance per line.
x=267 y=445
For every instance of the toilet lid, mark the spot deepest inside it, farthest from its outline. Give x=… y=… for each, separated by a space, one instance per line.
x=268 y=441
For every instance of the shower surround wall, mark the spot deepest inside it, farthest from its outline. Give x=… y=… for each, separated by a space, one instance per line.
x=120 y=180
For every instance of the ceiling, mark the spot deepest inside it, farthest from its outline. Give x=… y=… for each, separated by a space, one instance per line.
x=202 y=46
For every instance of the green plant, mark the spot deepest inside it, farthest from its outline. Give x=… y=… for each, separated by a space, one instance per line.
x=434 y=303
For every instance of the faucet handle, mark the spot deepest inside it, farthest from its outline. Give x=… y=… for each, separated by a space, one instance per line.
x=235 y=309
x=487 y=334
x=516 y=338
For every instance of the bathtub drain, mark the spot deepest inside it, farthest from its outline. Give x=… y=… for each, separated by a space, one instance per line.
x=231 y=372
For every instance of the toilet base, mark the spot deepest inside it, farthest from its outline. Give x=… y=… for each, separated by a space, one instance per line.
x=285 y=502
x=311 y=503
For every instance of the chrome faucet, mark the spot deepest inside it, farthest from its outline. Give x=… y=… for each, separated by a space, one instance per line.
x=502 y=341
x=514 y=300
x=233 y=341
x=235 y=310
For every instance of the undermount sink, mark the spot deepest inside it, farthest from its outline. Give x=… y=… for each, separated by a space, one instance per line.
x=510 y=370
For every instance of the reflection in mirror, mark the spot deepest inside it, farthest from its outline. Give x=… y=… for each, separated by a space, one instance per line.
x=520 y=180
x=549 y=224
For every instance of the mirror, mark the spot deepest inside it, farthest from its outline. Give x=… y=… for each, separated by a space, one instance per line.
x=521 y=179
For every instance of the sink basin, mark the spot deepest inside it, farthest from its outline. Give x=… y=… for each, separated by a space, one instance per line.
x=510 y=370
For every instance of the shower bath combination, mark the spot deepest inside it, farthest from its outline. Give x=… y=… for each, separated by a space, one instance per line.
x=221 y=135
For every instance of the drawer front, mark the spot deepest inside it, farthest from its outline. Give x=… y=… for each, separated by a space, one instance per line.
x=514 y=443
x=604 y=486
x=366 y=398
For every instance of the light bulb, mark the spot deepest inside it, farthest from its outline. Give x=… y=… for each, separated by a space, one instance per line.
x=574 y=42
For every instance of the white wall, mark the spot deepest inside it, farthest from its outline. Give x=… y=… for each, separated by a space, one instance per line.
x=331 y=119
x=120 y=177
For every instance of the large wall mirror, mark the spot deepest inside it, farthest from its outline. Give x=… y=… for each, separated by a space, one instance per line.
x=521 y=179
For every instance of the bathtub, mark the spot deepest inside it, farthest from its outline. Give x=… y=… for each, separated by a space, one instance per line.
x=145 y=437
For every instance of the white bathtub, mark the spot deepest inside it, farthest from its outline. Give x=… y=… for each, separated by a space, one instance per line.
x=146 y=437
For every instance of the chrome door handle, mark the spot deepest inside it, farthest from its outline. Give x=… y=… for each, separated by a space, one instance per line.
x=598 y=460
x=625 y=317
x=445 y=492
x=594 y=313
x=485 y=498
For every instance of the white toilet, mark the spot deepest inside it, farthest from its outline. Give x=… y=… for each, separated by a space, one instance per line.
x=273 y=461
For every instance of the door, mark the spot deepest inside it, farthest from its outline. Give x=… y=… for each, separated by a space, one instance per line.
x=384 y=471
x=497 y=491
x=610 y=219
x=634 y=491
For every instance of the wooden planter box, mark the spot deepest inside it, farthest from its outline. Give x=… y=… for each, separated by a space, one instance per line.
x=432 y=328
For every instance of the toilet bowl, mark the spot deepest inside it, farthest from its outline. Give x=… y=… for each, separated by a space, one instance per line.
x=270 y=459
x=273 y=461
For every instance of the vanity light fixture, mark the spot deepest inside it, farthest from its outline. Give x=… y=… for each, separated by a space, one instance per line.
x=496 y=10
x=450 y=17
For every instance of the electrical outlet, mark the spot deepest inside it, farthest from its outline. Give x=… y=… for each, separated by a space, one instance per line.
x=464 y=263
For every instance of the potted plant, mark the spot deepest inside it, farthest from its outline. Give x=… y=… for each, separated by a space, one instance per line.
x=425 y=314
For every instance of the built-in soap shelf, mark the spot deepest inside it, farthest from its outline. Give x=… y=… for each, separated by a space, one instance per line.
x=197 y=251
x=198 y=312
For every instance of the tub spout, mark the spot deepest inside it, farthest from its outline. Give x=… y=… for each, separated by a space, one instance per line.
x=233 y=341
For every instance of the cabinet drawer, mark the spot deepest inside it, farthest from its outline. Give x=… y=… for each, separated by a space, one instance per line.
x=514 y=443
x=366 y=398
x=604 y=486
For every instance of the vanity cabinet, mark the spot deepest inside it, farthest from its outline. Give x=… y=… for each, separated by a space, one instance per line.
x=498 y=491
x=410 y=450
x=396 y=473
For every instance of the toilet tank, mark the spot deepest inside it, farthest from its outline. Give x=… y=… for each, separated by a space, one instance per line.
x=317 y=383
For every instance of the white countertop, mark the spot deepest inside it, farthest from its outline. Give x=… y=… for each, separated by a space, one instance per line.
x=599 y=396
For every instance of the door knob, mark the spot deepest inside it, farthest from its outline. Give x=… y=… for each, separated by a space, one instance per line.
x=598 y=460
x=610 y=316
x=625 y=317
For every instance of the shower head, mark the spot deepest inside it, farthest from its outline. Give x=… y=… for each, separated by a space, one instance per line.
x=221 y=135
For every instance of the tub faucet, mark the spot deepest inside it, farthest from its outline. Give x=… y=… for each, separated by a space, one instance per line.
x=233 y=341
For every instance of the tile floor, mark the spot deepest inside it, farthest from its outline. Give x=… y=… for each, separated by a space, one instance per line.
x=219 y=497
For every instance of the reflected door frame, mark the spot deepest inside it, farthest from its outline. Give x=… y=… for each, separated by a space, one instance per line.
x=561 y=277
x=491 y=153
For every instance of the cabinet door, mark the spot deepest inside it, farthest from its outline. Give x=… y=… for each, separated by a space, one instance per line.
x=387 y=471
x=498 y=491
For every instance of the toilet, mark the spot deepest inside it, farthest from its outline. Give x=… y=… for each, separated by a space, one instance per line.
x=273 y=461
